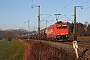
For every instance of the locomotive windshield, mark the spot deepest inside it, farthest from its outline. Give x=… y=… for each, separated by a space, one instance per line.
x=61 y=26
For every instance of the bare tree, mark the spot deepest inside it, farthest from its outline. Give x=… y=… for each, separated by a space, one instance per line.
x=9 y=35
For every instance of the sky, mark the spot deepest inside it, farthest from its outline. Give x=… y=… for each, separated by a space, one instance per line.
x=14 y=13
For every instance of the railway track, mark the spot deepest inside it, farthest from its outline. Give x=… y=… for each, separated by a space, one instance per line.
x=84 y=44
x=69 y=42
x=80 y=43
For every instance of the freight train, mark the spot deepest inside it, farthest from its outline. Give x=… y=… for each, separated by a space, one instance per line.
x=57 y=31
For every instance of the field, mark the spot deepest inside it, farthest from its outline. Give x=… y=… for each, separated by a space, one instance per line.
x=11 y=50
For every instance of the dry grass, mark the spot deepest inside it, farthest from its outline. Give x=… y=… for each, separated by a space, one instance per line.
x=36 y=50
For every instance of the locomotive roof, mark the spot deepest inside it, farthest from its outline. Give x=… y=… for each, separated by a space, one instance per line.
x=60 y=22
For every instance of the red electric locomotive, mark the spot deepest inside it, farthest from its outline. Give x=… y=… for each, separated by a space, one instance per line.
x=59 y=30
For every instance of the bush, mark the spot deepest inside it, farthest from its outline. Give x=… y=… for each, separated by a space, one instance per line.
x=9 y=35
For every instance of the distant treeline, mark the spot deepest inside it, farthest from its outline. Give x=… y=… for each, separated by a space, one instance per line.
x=12 y=33
x=82 y=30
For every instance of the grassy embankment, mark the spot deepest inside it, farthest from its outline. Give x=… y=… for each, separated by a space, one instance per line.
x=11 y=50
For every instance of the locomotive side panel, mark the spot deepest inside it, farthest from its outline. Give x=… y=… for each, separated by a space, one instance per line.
x=50 y=32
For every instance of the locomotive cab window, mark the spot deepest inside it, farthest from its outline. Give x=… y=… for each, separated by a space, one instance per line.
x=64 y=26
x=58 y=27
x=61 y=26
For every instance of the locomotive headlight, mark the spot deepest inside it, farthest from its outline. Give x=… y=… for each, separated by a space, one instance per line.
x=58 y=34
x=66 y=33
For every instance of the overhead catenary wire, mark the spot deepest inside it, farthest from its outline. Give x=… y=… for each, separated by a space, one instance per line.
x=53 y=14
x=80 y=11
x=84 y=9
x=86 y=2
x=61 y=10
x=66 y=5
x=68 y=18
x=30 y=11
x=61 y=5
x=30 y=14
